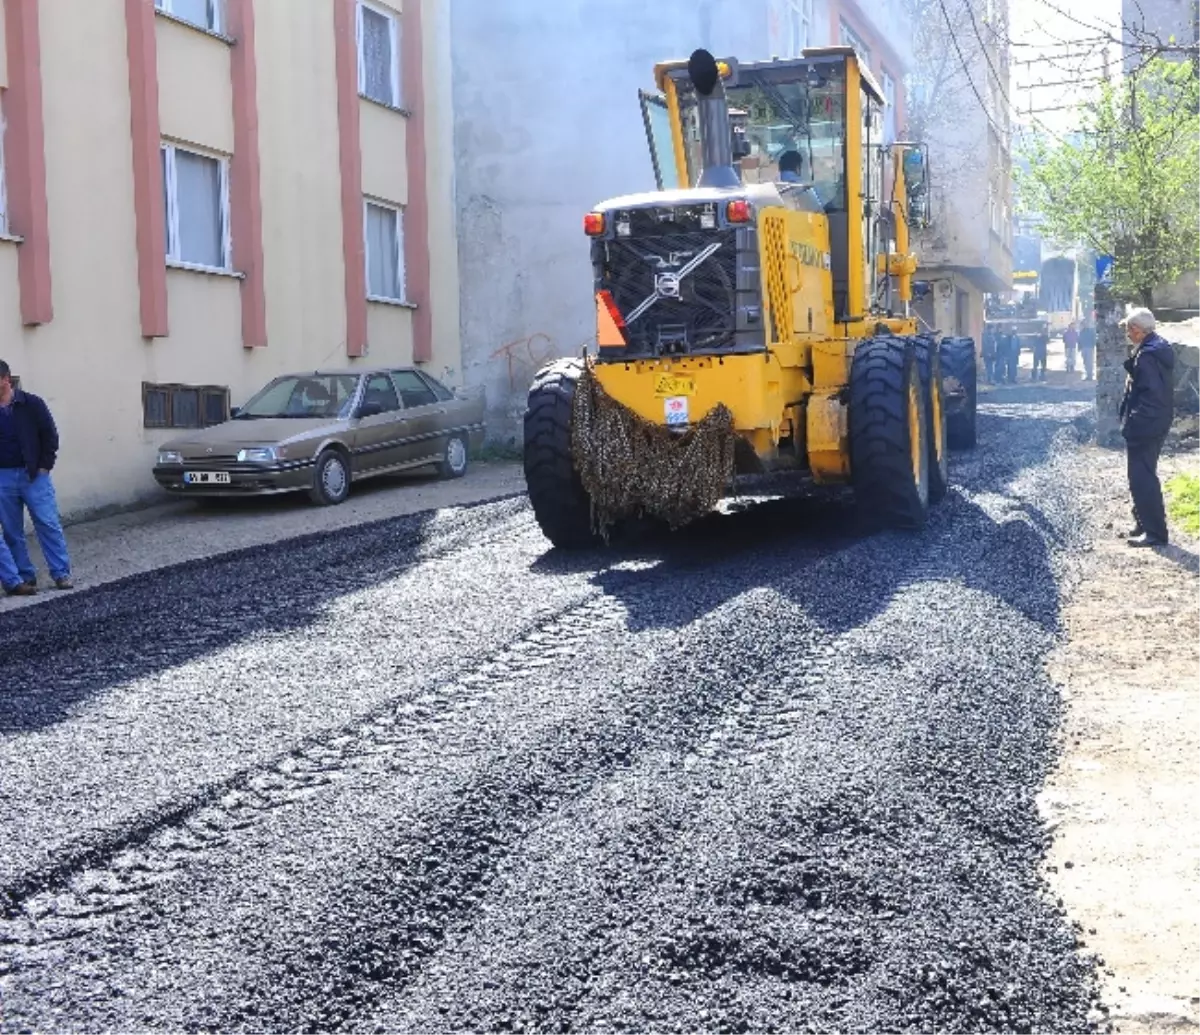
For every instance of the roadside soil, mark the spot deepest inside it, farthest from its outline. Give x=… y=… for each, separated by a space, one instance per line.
x=182 y=530
x=1122 y=805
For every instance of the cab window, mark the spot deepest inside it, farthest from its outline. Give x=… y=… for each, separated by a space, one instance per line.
x=805 y=116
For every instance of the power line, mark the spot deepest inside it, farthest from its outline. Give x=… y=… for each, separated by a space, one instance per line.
x=966 y=71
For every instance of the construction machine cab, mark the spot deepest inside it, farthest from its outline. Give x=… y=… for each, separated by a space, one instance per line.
x=827 y=108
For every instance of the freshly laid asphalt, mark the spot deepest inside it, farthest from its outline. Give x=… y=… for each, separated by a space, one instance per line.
x=768 y=773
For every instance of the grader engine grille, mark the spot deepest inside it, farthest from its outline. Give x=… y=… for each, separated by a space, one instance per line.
x=677 y=292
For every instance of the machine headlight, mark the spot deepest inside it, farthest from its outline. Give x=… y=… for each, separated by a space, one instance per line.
x=170 y=456
x=256 y=455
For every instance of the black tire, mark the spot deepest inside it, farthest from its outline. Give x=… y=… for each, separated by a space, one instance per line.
x=328 y=488
x=560 y=504
x=929 y=364
x=454 y=458
x=960 y=377
x=889 y=470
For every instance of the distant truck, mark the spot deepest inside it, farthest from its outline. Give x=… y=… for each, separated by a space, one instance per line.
x=1058 y=292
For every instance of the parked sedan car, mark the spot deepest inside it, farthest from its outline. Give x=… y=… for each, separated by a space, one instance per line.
x=321 y=431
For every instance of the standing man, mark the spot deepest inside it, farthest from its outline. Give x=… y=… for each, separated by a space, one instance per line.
x=28 y=449
x=1070 y=341
x=989 y=354
x=1012 y=355
x=1041 y=346
x=1146 y=411
x=1087 y=350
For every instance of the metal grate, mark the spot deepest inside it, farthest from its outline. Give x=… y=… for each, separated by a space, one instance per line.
x=687 y=300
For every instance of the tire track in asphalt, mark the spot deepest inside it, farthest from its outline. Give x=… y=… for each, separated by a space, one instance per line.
x=392 y=912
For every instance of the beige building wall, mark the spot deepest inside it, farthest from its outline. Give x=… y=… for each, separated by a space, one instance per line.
x=90 y=360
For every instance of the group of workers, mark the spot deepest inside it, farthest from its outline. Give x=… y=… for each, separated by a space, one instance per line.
x=1002 y=353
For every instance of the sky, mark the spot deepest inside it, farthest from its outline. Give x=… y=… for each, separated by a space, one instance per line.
x=1056 y=61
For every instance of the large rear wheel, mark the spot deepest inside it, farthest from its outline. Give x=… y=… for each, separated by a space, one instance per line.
x=930 y=366
x=560 y=504
x=889 y=451
x=960 y=380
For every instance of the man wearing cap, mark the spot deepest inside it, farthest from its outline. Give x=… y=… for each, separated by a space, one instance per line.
x=1146 y=411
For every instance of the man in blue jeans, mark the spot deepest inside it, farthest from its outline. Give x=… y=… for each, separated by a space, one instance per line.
x=28 y=449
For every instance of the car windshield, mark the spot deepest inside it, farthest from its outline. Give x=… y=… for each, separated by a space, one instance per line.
x=328 y=396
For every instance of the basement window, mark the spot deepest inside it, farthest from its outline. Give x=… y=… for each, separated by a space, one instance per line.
x=184 y=406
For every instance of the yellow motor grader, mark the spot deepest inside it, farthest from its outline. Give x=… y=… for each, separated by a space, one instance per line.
x=753 y=313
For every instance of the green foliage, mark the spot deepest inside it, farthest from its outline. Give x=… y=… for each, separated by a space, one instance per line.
x=1127 y=184
x=1183 y=501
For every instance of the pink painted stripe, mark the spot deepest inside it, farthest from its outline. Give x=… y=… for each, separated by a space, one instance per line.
x=416 y=214
x=245 y=188
x=350 y=162
x=25 y=160
x=145 y=136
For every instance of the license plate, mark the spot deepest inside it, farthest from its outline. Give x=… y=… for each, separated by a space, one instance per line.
x=669 y=385
x=675 y=411
x=206 y=478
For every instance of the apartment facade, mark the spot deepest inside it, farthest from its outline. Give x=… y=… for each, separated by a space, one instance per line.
x=199 y=195
x=547 y=124
x=967 y=251
x=879 y=32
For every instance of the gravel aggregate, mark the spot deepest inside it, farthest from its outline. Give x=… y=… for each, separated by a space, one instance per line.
x=769 y=773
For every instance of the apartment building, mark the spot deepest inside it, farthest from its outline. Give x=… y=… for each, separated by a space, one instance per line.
x=967 y=252
x=198 y=195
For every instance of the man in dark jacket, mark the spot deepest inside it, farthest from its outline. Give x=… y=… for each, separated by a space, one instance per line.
x=1146 y=412
x=28 y=450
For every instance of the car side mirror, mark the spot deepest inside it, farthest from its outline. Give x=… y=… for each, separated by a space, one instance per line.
x=234 y=411
x=371 y=409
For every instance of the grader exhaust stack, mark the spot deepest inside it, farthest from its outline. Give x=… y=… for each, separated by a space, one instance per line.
x=716 y=131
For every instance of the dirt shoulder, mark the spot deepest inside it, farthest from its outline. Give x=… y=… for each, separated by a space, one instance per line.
x=1126 y=853
x=114 y=547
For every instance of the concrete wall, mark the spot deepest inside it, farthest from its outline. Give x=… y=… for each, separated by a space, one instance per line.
x=90 y=360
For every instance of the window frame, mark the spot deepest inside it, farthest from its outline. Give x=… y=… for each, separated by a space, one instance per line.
x=401 y=272
x=169 y=149
x=215 y=14
x=849 y=37
x=4 y=231
x=170 y=389
x=798 y=15
x=887 y=84
x=393 y=19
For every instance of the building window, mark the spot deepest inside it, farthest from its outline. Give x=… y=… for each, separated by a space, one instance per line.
x=384 y=229
x=379 y=54
x=205 y=14
x=799 y=25
x=184 y=406
x=847 y=37
x=889 y=113
x=196 y=195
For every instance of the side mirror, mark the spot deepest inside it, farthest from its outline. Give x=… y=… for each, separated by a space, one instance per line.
x=371 y=409
x=234 y=411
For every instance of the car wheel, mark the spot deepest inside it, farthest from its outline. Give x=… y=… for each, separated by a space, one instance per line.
x=331 y=479
x=454 y=458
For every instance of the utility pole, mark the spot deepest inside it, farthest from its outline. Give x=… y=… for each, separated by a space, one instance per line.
x=1110 y=341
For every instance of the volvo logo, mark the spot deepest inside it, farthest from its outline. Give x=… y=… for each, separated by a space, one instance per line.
x=666 y=285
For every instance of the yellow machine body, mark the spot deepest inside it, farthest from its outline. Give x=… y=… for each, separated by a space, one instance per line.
x=789 y=400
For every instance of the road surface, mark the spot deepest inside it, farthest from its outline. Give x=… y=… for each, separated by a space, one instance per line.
x=428 y=774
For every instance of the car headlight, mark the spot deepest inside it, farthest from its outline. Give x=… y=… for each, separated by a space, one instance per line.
x=256 y=455
x=170 y=456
